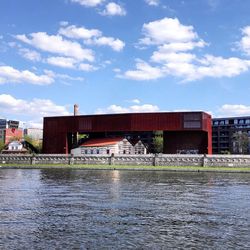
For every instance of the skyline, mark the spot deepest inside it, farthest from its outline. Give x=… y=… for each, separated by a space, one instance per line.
x=123 y=56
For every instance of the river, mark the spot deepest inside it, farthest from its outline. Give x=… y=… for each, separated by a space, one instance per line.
x=83 y=209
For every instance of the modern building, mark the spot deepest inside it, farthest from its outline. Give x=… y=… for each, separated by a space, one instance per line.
x=9 y=130
x=182 y=131
x=223 y=130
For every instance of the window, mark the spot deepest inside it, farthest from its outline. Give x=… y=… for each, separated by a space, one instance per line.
x=108 y=151
x=192 y=121
x=235 y=121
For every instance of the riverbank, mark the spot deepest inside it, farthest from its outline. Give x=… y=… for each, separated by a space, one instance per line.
x=126 y=167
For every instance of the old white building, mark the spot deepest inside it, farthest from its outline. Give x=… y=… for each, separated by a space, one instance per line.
x=107 y=146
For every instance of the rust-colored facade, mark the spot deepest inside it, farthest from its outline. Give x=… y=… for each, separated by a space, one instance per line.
x=181 y=130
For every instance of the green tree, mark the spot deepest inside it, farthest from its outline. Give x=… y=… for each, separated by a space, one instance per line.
x=240 y=142
x=2 y=145
x=158 y=142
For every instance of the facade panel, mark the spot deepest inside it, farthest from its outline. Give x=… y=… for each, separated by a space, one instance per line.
x=59 y=131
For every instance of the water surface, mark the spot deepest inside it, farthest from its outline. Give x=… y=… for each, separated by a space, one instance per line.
x=81 y=209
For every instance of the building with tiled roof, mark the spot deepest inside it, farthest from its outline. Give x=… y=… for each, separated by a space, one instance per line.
x=107 y=146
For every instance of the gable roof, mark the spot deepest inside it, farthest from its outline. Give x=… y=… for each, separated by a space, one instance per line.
x=98 y=142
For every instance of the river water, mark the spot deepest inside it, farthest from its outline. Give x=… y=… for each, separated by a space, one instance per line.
x=81 y=209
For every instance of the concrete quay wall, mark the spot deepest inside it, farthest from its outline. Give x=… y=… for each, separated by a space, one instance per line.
x=132 y=160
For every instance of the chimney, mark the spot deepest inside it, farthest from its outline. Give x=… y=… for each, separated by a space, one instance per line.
x=76 y=107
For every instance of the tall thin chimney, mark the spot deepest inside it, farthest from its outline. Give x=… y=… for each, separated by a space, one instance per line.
x=76 y=108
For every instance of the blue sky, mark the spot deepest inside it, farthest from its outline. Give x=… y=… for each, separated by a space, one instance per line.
x=123 y=56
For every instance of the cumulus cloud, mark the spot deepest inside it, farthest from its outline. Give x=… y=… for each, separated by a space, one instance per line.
x=244 y=44
x=64 y=62
x=88 y=3
x=31 y=55
x=168 y=31
x=115 y=44
x=131 y=109
x=87 y=67
x=9 y=74
x=56 y=44
x=75 y=32
x=113 y=9
x=153 y=2
x=228 y=110
x=174 y=55
x=33 y=110
x=143 y=71
x=91 y=37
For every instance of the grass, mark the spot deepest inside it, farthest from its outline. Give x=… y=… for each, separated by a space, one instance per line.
x=128 y=167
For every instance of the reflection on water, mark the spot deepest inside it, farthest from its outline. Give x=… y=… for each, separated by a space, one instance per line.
x=74 y=209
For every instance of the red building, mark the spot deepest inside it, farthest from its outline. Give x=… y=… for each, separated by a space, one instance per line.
x=11 y=133
x=182 y=131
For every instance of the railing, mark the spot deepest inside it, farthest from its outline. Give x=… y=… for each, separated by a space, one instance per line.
x=143 y=160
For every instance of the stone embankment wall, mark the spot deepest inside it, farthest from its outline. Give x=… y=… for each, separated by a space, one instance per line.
x=144 y=160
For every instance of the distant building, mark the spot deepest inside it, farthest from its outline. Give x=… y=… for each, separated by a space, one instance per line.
x=138 y=147
x=9 y=130
x=107 y=146
x=223 y=130
x=34 y=133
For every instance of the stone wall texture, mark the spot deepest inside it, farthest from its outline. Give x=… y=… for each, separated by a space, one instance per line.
x=143 y=160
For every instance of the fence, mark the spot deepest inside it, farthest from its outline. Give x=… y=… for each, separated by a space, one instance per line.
x=144 y=160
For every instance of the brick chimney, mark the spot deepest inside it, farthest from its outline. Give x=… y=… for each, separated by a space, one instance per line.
x=76 y=108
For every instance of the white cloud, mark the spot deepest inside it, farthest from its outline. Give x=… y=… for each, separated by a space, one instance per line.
x=62 y=76
x=131 y=109
x=221 y=67
x=64 y=23
x=91 y=37
x=88 y=3
x=244 y=44
x=137 y=101
x=75 y=32
x=160 y=57
x=153 y=2
x=30 y=54
x=33 y=110
x=228 y=110
x=173 y=40
x=143 y=71
x=115 y=44
x=56 y=44
x=168 y=31
x=87 y=67
x=113 y=9
x=11 y=75
x=64 y=62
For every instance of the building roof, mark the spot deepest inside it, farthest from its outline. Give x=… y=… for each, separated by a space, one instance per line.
x=98 y=142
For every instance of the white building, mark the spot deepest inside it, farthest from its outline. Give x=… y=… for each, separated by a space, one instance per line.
x=107 y=146
x=139 y=148
x=15 y=147
x=34 y=133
